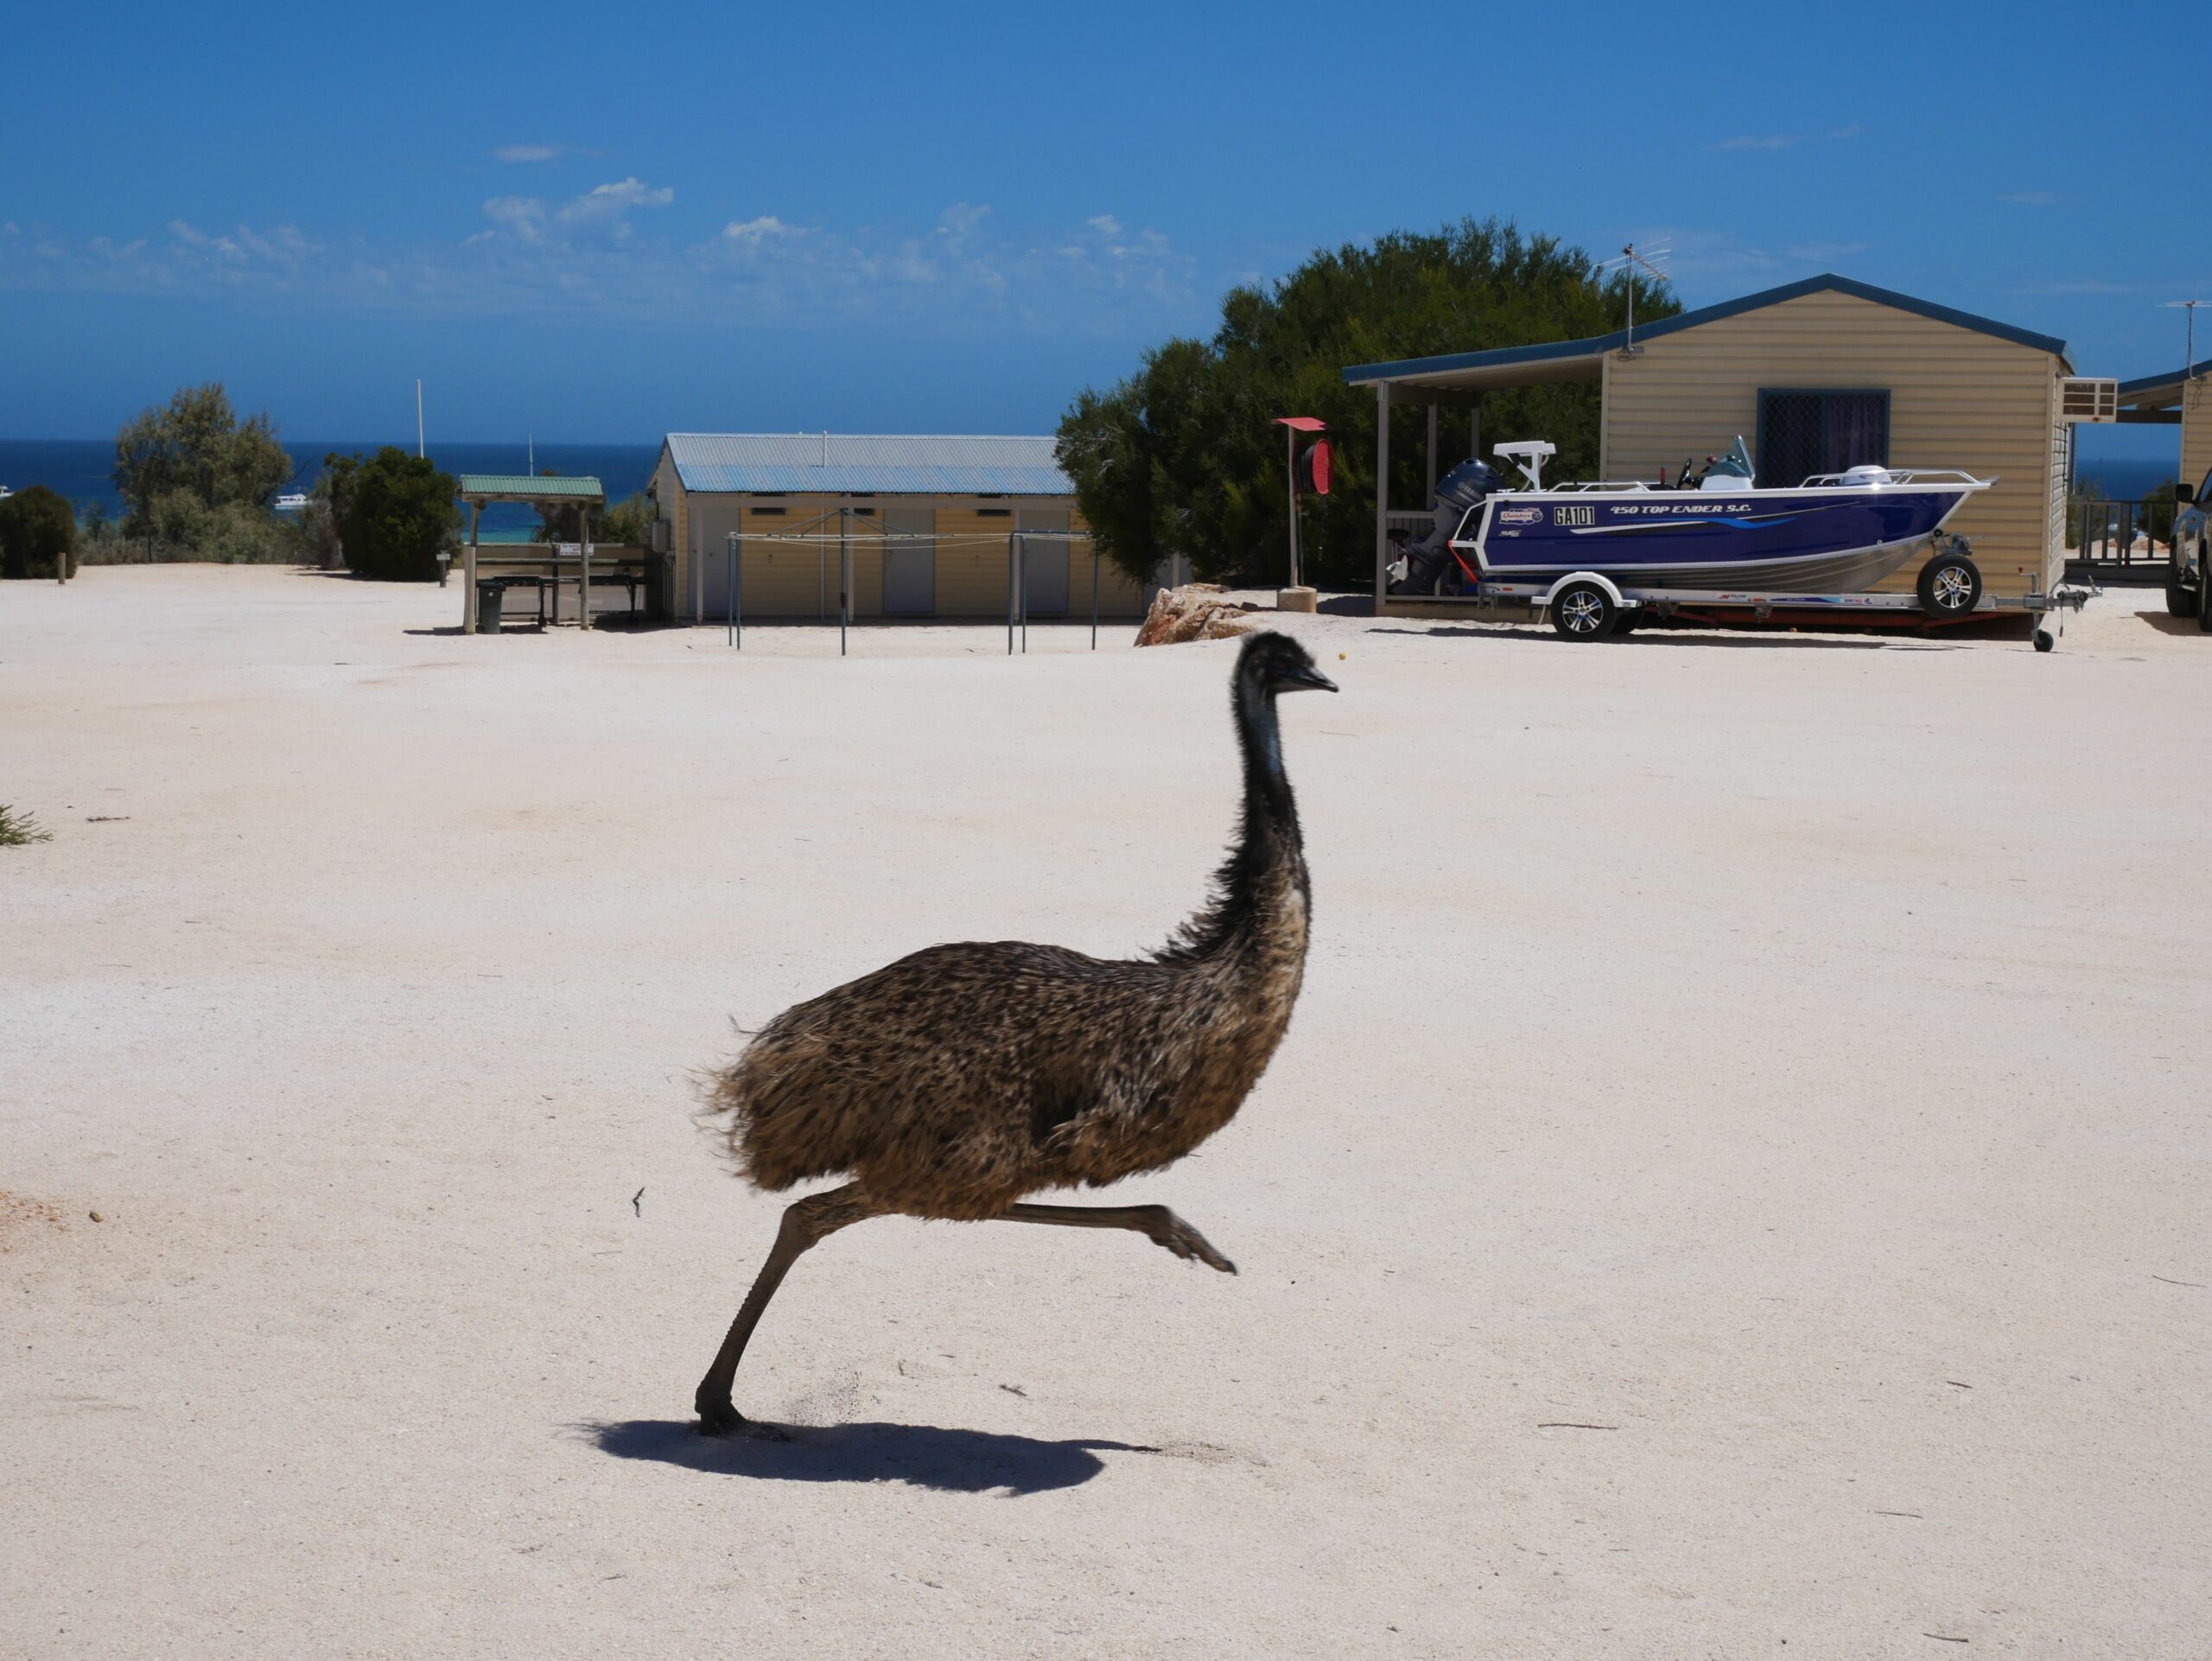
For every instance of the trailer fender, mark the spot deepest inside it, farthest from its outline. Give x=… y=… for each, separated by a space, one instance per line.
x=1613 y=589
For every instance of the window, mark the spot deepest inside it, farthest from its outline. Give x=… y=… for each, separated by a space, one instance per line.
x=1805 y=432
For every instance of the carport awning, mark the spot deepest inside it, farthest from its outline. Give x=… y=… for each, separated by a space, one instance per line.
x=2147 y=398
x=1511 y=365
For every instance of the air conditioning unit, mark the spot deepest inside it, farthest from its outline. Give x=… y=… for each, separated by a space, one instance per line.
x=2089 y=398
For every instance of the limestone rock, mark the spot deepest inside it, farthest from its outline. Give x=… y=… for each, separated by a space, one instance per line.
x=1193 y=612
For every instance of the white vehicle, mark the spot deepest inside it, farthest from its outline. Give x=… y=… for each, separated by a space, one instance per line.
x=2190 y=555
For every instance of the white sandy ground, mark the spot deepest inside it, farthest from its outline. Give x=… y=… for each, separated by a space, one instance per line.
x=1792 y=1054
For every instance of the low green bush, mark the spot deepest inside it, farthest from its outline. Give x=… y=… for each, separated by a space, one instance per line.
x=38 y=535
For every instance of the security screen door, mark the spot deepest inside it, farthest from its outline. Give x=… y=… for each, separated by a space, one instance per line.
x=1803 y=433
x=909 y=568
x=1048 y=561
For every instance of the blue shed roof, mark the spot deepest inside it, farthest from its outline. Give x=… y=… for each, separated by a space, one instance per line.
x=1560 y=355
x=867 y=464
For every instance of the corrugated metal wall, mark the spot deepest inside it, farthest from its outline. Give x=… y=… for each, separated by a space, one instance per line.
x=1958 y=397
x=785 y=579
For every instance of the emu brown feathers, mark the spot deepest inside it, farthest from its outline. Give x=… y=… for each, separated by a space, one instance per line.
x=956 y=1081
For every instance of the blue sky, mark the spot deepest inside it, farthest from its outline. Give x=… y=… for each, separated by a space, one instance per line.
x=600 y=223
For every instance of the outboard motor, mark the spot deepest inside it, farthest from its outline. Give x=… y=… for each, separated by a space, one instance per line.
x=1426 y=561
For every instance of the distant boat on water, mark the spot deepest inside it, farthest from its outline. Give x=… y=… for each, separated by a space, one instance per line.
x=292 y=501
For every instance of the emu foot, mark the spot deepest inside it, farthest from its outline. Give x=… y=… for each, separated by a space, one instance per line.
x=1185 y=1242
x=720 y=1418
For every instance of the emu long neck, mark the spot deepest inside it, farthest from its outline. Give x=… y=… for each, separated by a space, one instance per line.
x=1266 y=887
x=1270 y=811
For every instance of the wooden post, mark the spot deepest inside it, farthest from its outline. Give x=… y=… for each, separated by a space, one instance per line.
x=469 y=583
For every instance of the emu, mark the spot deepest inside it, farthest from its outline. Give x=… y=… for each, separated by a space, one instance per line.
x=956 y=1081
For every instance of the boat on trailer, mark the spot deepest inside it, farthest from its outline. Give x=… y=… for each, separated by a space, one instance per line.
x=1601 y=557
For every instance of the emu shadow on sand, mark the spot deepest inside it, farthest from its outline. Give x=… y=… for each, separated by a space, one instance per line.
x=956 y=1081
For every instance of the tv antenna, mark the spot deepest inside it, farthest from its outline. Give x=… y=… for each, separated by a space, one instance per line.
x=2188 y=353
x=1646 y=260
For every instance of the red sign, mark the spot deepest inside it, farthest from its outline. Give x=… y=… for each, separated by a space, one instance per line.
x=1313 y=468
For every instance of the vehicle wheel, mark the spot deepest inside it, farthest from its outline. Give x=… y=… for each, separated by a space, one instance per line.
x=2043 y=640
x=1583 y=611
x=2181 y=599
x=1950 y=586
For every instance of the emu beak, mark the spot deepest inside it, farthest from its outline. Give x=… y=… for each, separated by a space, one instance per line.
x=1308 y=679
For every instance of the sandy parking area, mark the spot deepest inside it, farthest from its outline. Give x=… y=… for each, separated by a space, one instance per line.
x=1737 y=1176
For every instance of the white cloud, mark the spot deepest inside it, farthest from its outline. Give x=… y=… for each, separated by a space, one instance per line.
x=600 y=214
x=1782 y=141
x=520 y=216
x=515 y=153
x=578 y=259
x=757 y=230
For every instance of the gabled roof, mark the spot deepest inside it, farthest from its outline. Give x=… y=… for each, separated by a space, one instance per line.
x=530 y=487
x=2154 y=391
x=1577 y=360
x=867 y=464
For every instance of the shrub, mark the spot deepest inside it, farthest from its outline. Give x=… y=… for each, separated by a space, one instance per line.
x=38 y=533
x=398 y=511
x=17 y=828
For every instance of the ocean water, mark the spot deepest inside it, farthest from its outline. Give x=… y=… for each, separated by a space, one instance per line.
x=80 y=470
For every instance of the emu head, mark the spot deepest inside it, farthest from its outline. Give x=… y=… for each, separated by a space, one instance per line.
x=1272 y=663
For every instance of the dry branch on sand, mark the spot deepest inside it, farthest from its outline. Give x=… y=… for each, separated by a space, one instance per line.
x=1193 y=613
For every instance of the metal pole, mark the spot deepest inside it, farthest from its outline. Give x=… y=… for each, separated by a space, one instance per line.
x=1023 y=565
x=1382 y=491
x=418 y=418
x=468 y=580
x=844 y=575
x=1431 y=498
x=583 y=565
x=1094 y=596
x=1009 y=594
x=730 y=583
x=820 y=576
x=1290 y=463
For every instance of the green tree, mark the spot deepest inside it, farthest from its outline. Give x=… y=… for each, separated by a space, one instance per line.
x=398 y=511
x=1181 y=457
x=197 y=449
x=38 y=534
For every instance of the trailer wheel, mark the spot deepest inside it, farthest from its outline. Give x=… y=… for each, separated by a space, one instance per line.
x=1583 y=611
x=2043 y=640
x=1950 y=586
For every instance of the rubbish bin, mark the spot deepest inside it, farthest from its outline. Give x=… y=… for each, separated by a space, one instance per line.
x=489 y=591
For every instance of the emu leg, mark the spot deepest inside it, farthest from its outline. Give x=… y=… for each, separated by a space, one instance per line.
x=804 y=1222
x=1156 y=1223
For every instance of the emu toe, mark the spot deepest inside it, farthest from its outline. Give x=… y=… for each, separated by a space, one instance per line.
x=1186 y=1243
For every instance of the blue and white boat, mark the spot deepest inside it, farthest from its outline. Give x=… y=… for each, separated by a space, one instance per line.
x=1834 y=533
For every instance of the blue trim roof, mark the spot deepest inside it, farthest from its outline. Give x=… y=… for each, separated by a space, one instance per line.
x=864 y=464
x=2172 y=378
x=1598 y=345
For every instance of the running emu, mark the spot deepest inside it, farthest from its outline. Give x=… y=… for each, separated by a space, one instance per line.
x=956 y=1081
